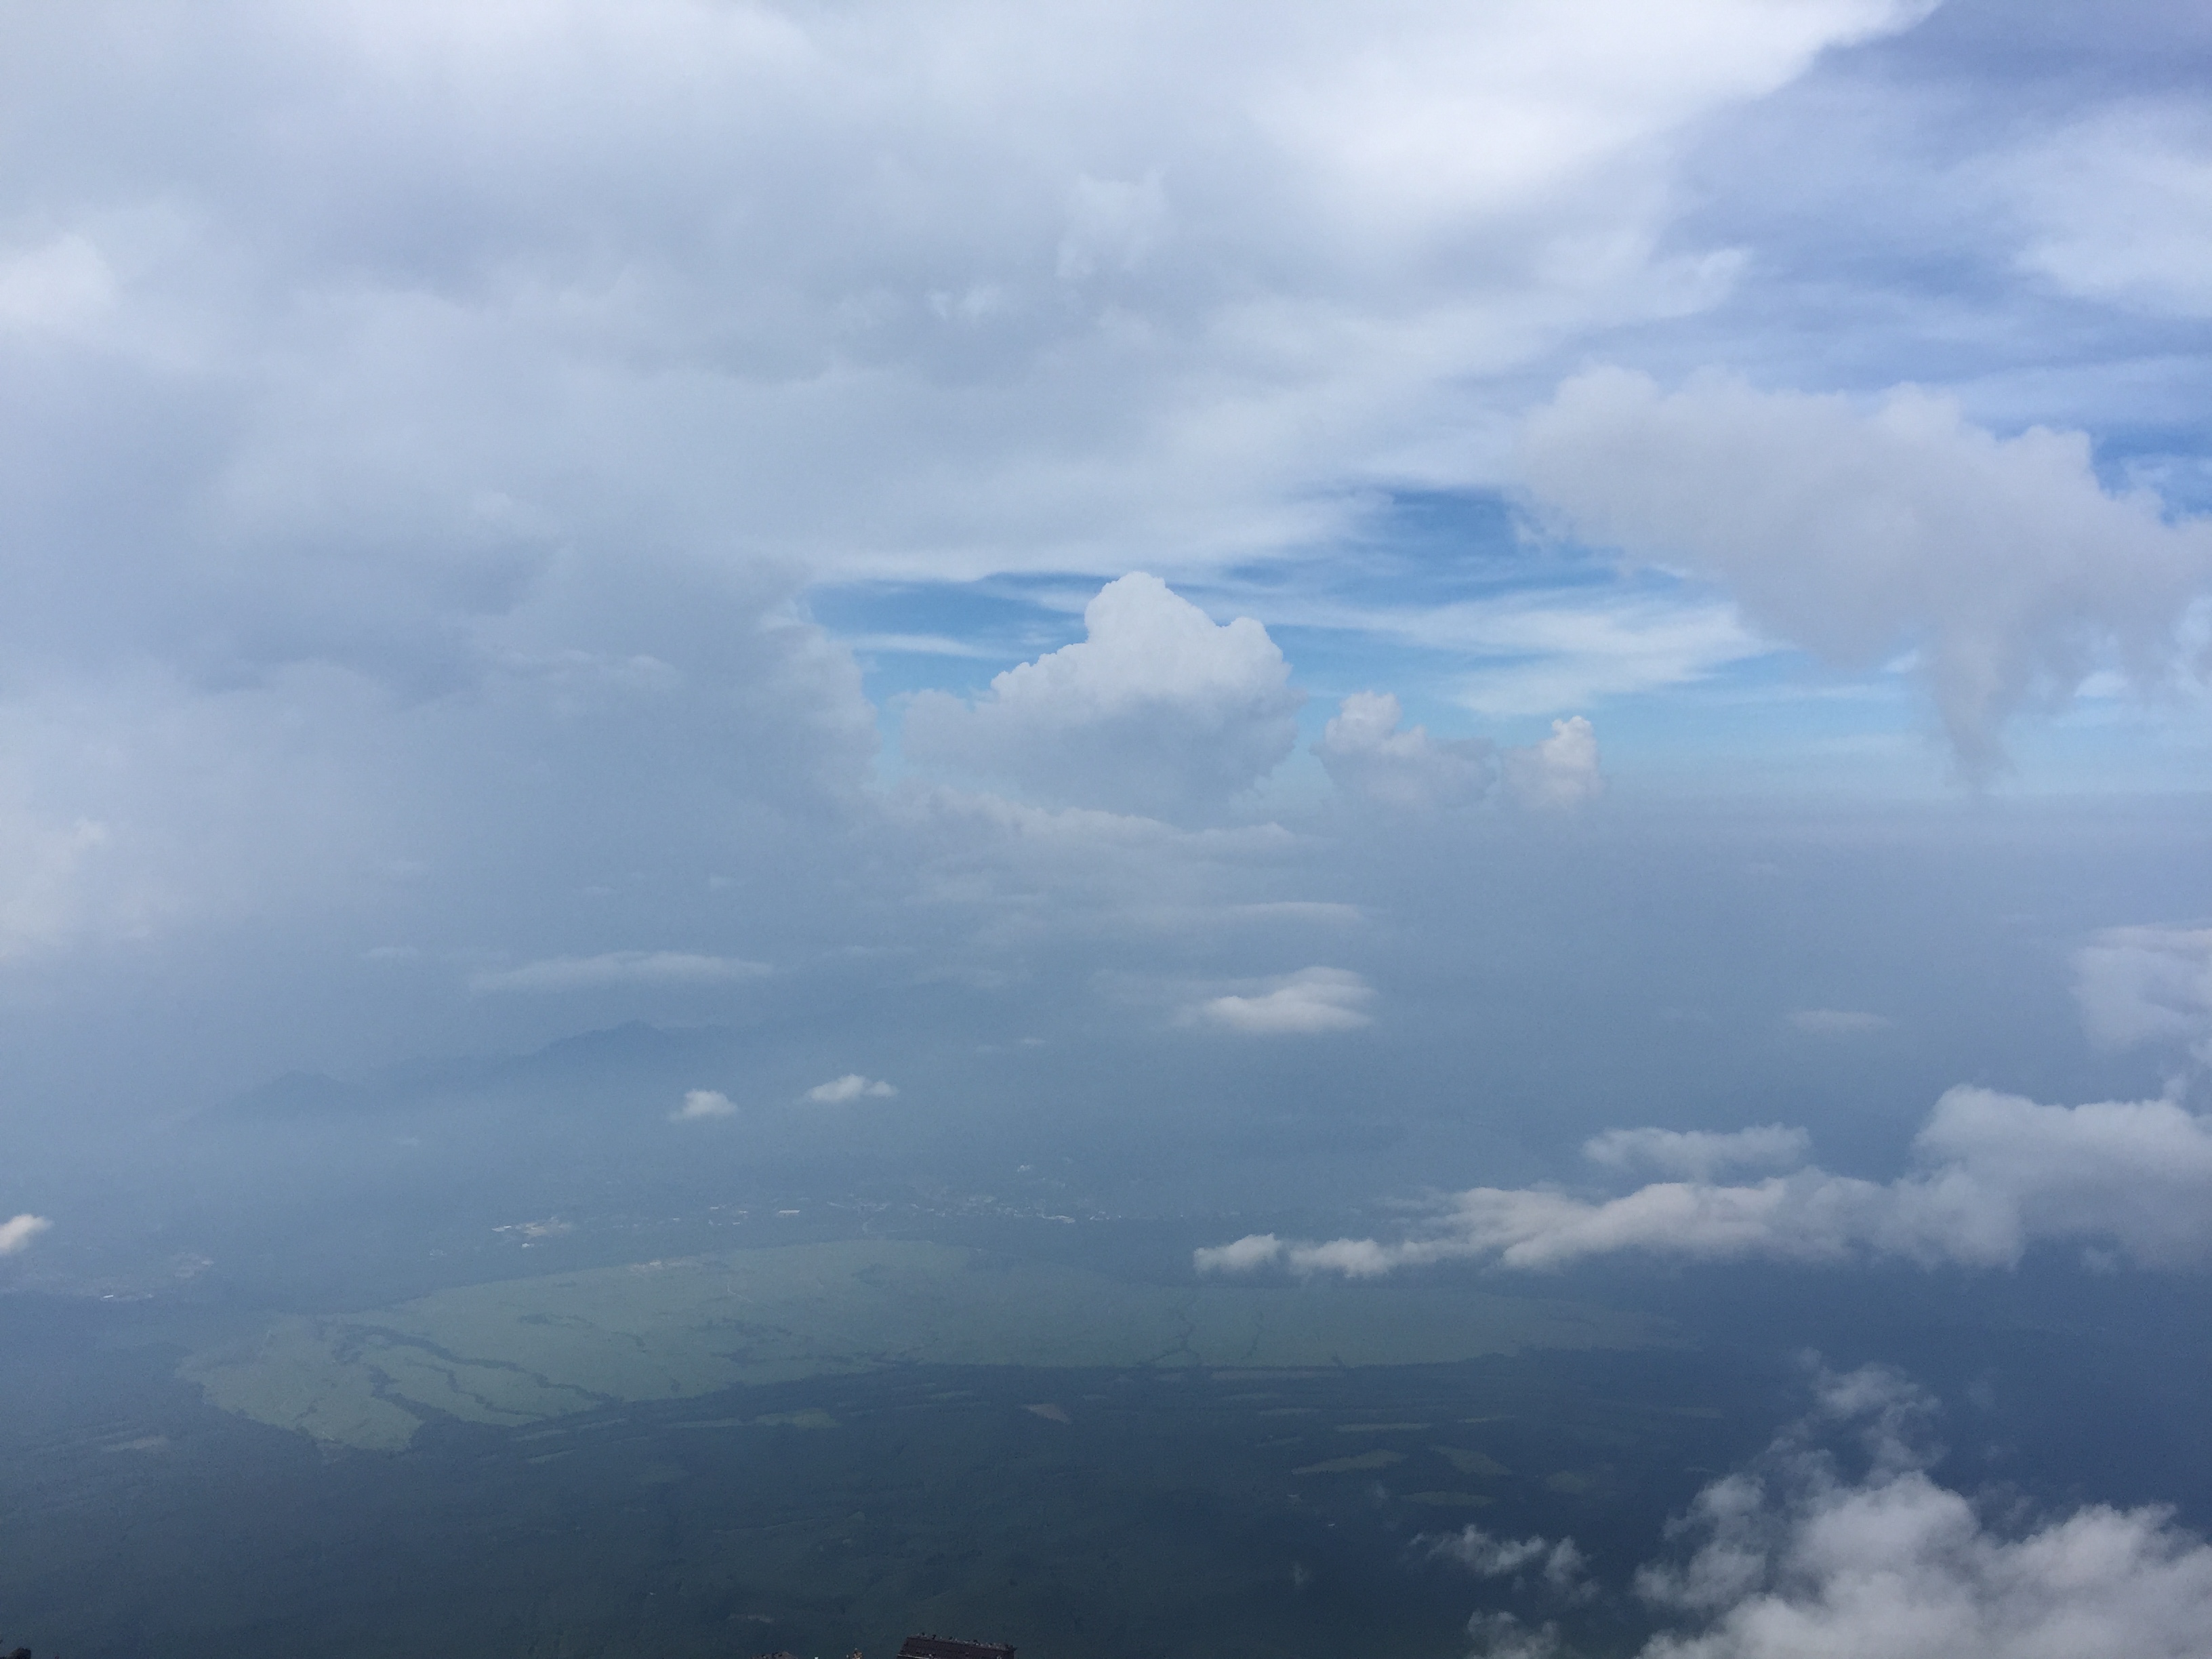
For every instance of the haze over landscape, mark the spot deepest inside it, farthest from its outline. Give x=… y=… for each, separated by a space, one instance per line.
x=1193 y=830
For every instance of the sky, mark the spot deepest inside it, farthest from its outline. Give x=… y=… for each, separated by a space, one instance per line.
x=1320 y=607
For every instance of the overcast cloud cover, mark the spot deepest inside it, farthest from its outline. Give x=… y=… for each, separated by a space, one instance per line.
x=1441 y=638
x=1326 y=570
x=429 y=432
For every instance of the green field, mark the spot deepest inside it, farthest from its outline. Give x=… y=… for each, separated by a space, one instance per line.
x=522 y=1350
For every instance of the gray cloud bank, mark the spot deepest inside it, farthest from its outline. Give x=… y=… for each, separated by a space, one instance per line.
x=1994 y=1175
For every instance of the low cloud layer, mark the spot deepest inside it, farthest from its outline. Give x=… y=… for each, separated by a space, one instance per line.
x=17 y=1232
x=1797 y=1558
x=1304 y=1004
x=1159 y=710
x=2003 y=564
x=1993 y=1176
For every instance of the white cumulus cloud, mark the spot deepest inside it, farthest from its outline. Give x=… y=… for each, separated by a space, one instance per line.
x=17 y=1232
x=1796 y=1559
x=851 y=1087
x=2003 y=563
x=1368 y=757
x=1313 y=1000
x=1993 y=1175
x=1157 y=711
x=1558 y=773
x=704 y=1103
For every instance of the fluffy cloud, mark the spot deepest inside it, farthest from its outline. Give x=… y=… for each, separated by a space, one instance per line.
x=2003 y=562
x=1558 y=773
x=700 y=1103
x=1369 y=758
x=1158 y=711
x=851 y=1087
x=1994 y=1175
x=657 y=967
x=1313 y=1000
x=1699 y=1154
x=17 y=1232
x=1241 y=1255
x=1559 y=1564
x=2146 y=984
x=1798 y=1559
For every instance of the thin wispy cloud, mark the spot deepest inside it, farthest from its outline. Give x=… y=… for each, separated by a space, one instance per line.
x=1837 y=1022
x=850 y=1087
x=619 y=967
